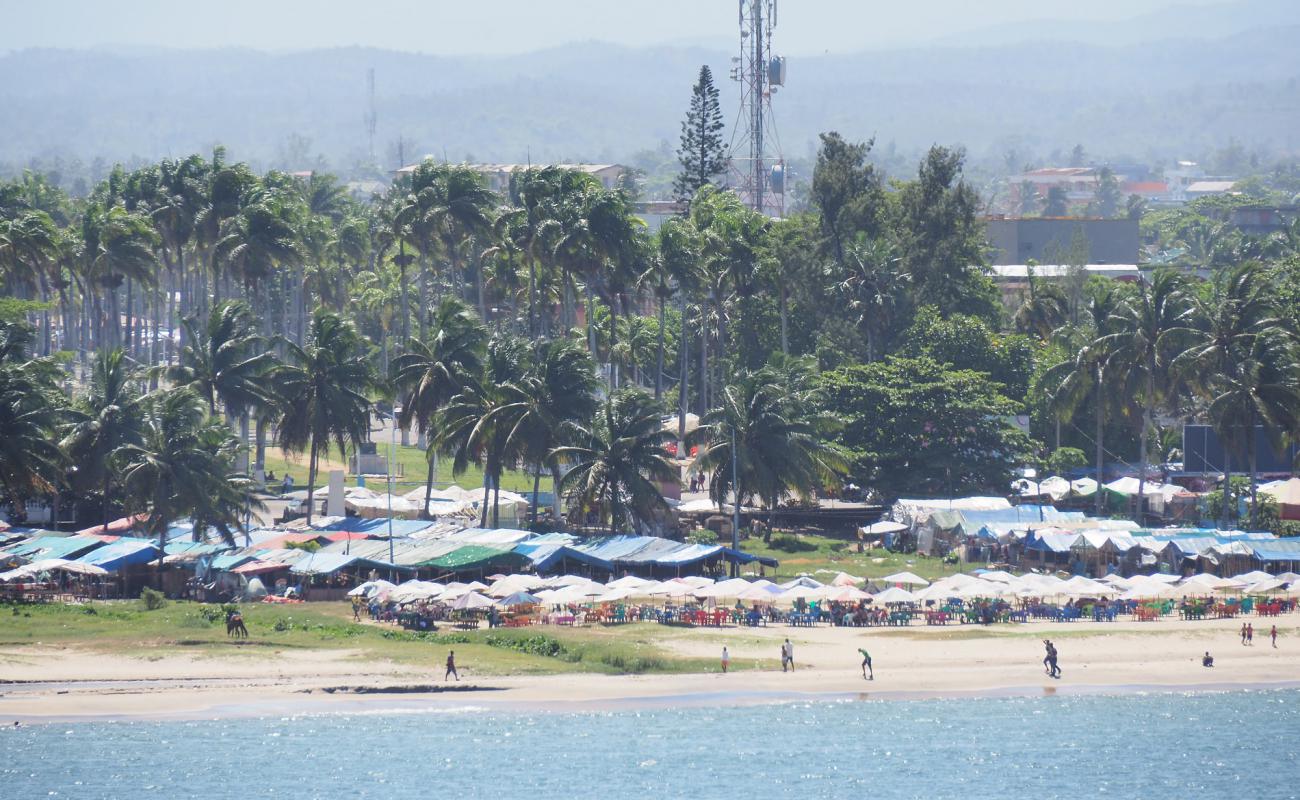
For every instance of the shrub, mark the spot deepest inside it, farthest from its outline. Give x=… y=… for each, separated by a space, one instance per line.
x=792 y=544
x=702 y=536
x=153 y=599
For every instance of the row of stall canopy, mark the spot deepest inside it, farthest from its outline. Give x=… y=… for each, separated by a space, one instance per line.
x=354 y=544
x=904 y=587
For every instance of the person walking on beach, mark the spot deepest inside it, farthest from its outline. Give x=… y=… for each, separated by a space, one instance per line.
x=1250 y=633
x=451 y=666
x=1273 y=635
x=1243 y=634
x=867 y=671
x=1053 y=669
x=1207 y=660
x=1047 y=656
x=787 y=656
x=726 y=659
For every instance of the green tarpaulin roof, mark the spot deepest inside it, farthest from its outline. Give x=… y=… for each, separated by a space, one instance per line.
x=475 y=555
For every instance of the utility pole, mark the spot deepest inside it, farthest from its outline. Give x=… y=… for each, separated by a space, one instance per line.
x=372 y=115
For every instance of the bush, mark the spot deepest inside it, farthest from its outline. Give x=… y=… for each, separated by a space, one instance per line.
x=787 y=543
x=153 y=599
x=702 y=536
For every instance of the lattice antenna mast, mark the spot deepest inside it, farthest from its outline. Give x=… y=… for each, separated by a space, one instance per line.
x=372 y=115
x=757 y=169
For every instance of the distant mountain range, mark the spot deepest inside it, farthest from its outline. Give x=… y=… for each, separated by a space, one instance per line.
x=1152 y=99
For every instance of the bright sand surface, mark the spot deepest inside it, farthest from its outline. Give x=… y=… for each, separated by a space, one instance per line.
x=71 y=683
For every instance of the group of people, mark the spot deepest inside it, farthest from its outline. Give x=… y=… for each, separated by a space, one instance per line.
x=1050 y=660
x=1248 y=634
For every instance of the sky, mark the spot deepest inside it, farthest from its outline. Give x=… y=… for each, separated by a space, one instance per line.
x=497 y=27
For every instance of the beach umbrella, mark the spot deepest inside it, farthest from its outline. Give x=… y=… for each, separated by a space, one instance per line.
x=1247 y=578
x=569 y=580
x=759 y=593
x=997 y=575
x=630 y=582
x=802 y=581
x=371 y=588
x=1289 y=577
x=1079 y=586
x=471 y=600
x=894 y=595
x=905 y=579
x=732 y=587
x=696 y=580
x=846 y=594
x=1151 y=590
x=614 y=595
x=519 y=599
x=845 y=579
x=1264 y=587
x=1207 y=582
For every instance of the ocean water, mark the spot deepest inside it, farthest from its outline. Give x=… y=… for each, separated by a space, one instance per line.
x=1240 y=744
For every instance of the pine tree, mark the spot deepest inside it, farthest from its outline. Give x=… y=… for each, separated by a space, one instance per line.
x=701 y=153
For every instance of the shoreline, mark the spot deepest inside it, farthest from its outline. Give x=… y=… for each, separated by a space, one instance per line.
x=479 y=699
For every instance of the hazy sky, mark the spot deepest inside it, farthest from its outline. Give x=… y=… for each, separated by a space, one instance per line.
x=511 y=26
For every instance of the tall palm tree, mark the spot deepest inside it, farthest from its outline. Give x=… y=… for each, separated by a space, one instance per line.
x=31 y=462
x=436 y=368
x=183 y=465
x=557 y=392
x=324 y=384
x=619 y=461
x=1241 y=359
x=1085 y=374
x=29 y=250
x=107 y=419
x=475 y=427
x=763 y=440
x=119 y=246
x=226 y=362
x=1144 y=345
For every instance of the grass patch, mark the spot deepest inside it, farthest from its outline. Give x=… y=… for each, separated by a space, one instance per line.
x=809 y=553
x=413 y=468
x=126 y=628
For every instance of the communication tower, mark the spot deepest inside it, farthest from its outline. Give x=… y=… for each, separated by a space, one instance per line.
x=372 y=116
x=757 y=170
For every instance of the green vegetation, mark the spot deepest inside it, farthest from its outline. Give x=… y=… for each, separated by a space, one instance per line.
x=130 y=628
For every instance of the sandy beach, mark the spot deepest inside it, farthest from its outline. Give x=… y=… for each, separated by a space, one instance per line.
x=46 y=682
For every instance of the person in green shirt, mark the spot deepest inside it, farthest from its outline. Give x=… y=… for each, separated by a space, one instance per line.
x=867 y=672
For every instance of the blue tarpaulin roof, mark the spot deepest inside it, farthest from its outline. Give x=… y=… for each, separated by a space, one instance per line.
x=548 y=556
x=377 y=527
x=1280 y=550
x=122 y=553
x=54 y=546
x=329 y=563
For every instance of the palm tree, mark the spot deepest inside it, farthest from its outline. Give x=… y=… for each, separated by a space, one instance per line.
x=558 y=391
x=1087 y=372
x=437 y=368
x=119 y=246
x=29 y=250
x=183 y=465
x=474 y=425
x=1241 y=360
x=324 y=385
x=872 y=283
x=764 y=440
x=107 y=419
x=31 y=462
x=1143 y=345
x=226 y=363
x=620 y=461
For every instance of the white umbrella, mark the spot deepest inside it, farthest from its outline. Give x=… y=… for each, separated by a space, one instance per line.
x=732 y=587
x=846 y=594
x=1208 y=582
x=845 y=579
x=697 y=581
x=895 y=595
x=997 y=575
x=614 y=595
x=905 y=578
x=761 y=594
x=470 y=601
x=1151 y=590
x=630 y=582
x=1247 y=578
x=370 y=588
x=1263 y=587
x=802 y=581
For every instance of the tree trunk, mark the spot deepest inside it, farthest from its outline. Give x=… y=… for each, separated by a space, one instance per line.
x=555 y=496
x=532 y=509
x=704 y=372
x=1250 y=451
x=432 y=459
x=1142 y=443
x=683 y=383
x=260 y=451
x=406 y=292
x=46 y=336
x=659 y=359
x=487 y=472
x=591 y=321
x=1101 y=455
x=1229 y=507
x=311 y=481
x=532 y=297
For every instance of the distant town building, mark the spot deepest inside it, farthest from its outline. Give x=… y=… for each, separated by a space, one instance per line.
x=1017 y=240
x=1198 y=189
x=655 y=212
x=498 y=175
